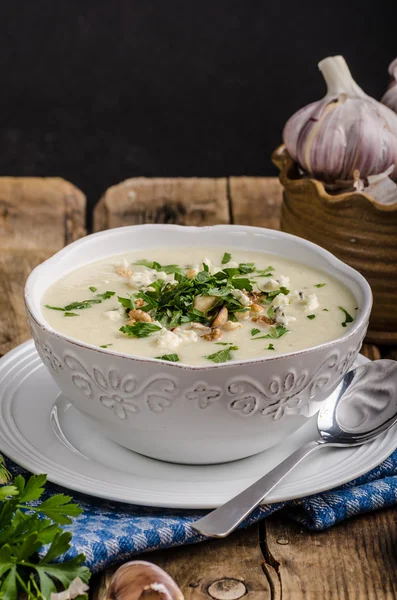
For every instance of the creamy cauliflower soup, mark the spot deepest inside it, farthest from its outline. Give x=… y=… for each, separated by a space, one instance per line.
x=199 y=307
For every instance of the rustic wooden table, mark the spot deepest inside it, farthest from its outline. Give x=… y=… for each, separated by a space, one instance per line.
x=277 y=558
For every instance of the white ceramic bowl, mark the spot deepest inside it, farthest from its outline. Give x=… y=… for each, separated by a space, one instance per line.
x=194 y=414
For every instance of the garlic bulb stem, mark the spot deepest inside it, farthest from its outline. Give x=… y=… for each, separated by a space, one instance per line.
x=338 y=78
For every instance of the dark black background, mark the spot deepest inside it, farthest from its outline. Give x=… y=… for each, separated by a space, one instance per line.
x=99 y=91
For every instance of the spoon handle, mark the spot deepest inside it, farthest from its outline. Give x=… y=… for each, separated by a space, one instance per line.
x=222 y=521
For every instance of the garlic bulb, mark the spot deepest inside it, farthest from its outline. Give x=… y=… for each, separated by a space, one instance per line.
x=344 y=132
x=390 y=97
x=143 y=580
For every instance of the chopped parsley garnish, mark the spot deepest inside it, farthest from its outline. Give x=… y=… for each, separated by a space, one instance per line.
x=169 y=357
x=255 y=331
x=157 y=267
x=264 y=272
x=226 y=258
x=92 y=288
x=311 y=317
x=105 y=345
x=325 y=310
x=271 y=313
x=223 y=355
x=80 y=304
x=270 y=347
x=172 y=303
x=275 y=333
x=246 y=268
x=128 y=303
x=224 y=343
x=105 y=295
x=139 y=329
x=319 y=285
x=271 y=295
x=348 y=318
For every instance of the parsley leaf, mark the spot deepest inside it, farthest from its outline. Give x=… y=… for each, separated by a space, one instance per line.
x=70 y=314
x=275 y=333
x=128 y=303
x=24 y=529
x=270 y=312
x=157 y=267
x=223 y=355
x=348 y=318
x=92 y=288
x=54 y=307
x=226 y=258
x=270 y=347
x=140 y=329
x=254 y=331
x=311 y=317
x=325 y=310
x=170 y=357
x=80 y=304
x=319 y=285
x=105 y=345
x=224 y=343
x=246 y=268
x=264 y=272
x=271 y=295
x=105 y=295
x=241 y=283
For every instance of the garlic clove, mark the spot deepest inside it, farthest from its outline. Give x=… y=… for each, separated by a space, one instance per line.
x=344 y=132
x=141 y=580
x=390 y=96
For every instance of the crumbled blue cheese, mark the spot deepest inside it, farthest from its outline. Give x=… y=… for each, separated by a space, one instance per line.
x=115 y=314
x=281 y=300
x=167 y=339
x=283 y=281
x=281 y=318
x=144 y=278
x=311 y=303
x=242 y=298
x=188 y=336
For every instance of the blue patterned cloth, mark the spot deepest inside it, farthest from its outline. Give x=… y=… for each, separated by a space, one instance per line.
x=109 y=532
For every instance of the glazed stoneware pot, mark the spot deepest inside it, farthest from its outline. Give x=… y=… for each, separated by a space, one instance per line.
x=194 y=414
x=355 y=228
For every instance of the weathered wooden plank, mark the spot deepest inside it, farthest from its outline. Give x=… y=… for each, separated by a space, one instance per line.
x=38 y=212
x=354 y=560
x=38 y=216
x=221 y=569
x=370 y=351
x=182 y=201
x=255 y=201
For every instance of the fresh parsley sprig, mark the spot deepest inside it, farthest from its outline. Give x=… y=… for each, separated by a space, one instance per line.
x=25 y=526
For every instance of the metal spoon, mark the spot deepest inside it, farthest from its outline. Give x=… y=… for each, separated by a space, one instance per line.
x=363 y=406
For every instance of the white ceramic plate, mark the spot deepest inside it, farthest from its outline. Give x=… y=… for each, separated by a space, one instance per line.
x=43 y=432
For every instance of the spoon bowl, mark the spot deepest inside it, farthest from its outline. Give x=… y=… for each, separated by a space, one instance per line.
x=363 y=406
